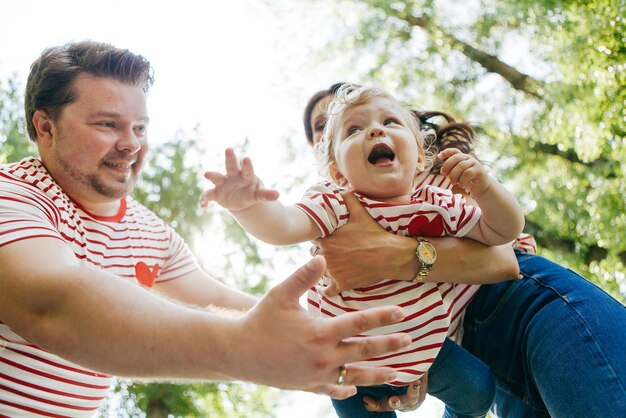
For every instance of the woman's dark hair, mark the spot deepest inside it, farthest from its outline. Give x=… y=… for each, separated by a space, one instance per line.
x=451 y=134
x=50 y=82
x=313 y=101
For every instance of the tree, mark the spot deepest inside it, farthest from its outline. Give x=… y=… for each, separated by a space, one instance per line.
x=545 y=80
x=14 y=144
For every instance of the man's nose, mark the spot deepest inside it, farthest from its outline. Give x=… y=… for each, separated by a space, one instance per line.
x=128 y=141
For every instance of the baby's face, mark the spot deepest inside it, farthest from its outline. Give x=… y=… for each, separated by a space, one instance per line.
x=375 y=150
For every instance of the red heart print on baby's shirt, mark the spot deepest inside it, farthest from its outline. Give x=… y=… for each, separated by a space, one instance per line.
x=426 y=226
x=146 y=275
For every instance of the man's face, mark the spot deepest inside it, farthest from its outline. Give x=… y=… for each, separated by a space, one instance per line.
x=99 y=141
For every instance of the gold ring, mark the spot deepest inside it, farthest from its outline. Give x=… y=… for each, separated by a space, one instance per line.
x=342 y=375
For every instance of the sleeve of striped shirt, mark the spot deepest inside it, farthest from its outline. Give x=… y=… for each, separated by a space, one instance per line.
x=180 y=260
x=25 y=212
x=324 y=204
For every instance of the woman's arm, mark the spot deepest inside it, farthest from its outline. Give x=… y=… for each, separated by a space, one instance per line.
x=362 y=253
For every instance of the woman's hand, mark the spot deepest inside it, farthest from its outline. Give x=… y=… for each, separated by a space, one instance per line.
x=362 y=253
x=415 y=395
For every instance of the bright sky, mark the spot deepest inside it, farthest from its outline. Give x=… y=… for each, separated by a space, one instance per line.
x=234 y=68
x=225 y=67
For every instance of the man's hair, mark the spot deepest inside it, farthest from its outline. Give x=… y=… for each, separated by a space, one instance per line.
x=50 y=82
x=349 y=96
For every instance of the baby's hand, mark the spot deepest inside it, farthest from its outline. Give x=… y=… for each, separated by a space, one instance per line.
x=464 y=170
x=239 y=189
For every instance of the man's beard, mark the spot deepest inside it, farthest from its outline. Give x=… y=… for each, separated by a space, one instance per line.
x=95 y=182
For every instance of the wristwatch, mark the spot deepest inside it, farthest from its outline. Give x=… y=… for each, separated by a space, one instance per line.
x=426 y=254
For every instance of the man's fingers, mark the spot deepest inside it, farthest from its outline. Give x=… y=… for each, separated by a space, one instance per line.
x=357 y=376
x=290 y=289
x=361 y=348
x=368 y=376
x=335 y=392
x=355 y=323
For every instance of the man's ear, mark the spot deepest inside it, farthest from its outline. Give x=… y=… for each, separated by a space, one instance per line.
x=43 y=127
x=336 y=175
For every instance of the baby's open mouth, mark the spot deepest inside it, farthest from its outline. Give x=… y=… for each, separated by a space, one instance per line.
x=381 y=153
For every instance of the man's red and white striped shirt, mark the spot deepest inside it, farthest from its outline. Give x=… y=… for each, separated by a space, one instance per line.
x=433 y=212
x=134 y=244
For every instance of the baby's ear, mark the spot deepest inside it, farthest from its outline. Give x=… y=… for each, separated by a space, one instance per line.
x=336 y=175
x=421 y=162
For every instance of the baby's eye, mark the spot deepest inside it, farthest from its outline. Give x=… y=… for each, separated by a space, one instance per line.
x=353 y=130
x=319 y=127
x=391 y=121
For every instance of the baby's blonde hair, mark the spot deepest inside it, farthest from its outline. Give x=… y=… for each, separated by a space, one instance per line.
x=349 y=96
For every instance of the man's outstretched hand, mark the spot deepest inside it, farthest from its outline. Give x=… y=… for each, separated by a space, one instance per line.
x=288 y=347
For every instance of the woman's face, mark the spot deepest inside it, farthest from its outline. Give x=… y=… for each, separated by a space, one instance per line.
x=318 y=118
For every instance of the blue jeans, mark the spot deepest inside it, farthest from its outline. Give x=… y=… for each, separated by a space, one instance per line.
x=555 y=343
x=460 y=380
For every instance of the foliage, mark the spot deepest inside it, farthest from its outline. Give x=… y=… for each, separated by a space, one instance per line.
x=545 y=80
x=14 y=144
x=197 y=400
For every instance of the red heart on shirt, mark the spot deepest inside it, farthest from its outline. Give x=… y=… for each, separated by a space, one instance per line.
x=146 y=275
x=423 y=226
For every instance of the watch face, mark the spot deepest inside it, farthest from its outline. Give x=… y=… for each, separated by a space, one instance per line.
x=427 y=253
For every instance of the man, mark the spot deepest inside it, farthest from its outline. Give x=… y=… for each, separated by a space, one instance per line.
x=77 y=257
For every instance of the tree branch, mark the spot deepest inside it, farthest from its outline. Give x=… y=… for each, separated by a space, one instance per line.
x=491 y=63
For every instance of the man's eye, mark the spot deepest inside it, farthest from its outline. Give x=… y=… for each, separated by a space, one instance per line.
x=319 y=128
x=107 y=124
x=141 y=129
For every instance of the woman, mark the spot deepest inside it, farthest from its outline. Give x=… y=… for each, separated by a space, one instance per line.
x=553 y=340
